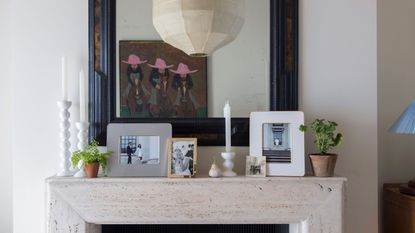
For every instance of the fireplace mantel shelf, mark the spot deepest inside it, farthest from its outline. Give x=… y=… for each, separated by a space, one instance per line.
x=316 y=204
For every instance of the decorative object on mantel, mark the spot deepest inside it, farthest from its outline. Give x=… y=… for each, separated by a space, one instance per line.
x=275 y=136
x=83 y=124
x=229 y=154
x=256 y=166
x=323 y=163
x=405 y=124
x=82 y=143
x=140 y=149
x=182 y=154
x=90 y=159
x=65 y=135
x=215 y=171
x=65 y=124
x=198 y=27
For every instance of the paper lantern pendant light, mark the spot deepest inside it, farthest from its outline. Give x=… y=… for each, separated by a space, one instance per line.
x=198 y=27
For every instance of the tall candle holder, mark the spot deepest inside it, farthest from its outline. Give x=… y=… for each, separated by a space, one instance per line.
x=82 y=143
x=65 y=135
x=228 y=164
x=229 y=154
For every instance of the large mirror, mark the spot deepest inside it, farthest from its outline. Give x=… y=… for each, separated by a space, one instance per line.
x=242 y=65
x=256 y=72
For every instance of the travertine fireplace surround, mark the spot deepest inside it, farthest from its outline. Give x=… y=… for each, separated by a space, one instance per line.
x=309 y=204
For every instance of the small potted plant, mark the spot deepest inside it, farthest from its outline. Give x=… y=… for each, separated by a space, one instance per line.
x=323 y=163
x=90 y=159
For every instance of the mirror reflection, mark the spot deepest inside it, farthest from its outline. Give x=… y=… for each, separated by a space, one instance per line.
x=178 y=86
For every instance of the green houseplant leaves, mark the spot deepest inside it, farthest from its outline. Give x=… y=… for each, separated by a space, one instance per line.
x=91 y=155
x=324 y=134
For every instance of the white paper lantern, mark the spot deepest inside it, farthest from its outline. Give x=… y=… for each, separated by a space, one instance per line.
x=198 y=27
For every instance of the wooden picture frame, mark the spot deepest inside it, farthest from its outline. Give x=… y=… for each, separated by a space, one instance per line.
x=186 y=148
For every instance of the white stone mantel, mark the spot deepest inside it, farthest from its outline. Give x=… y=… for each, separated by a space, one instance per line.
x=83 y=205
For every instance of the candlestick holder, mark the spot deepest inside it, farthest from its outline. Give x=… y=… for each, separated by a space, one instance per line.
x=82 y=143
x=228 y=164
x=65 y=135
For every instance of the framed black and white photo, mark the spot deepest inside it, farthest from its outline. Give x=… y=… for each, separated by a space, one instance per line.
x=138 y=149
x=182 y=157
x=256 y=166
x=276 y=136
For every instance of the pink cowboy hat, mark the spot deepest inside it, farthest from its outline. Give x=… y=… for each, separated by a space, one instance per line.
x=183 y=69
x=160 y=64
x=134 y=60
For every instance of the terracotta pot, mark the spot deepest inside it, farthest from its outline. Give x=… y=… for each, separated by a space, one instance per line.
x=323 y=165
x=91 y=170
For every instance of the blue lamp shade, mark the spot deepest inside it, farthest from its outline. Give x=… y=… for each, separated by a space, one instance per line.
x=406 y=122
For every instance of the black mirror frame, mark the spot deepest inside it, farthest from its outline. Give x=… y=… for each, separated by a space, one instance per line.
x=209 y=131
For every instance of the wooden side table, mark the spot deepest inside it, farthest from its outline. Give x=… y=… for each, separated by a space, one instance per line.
x=398 y=210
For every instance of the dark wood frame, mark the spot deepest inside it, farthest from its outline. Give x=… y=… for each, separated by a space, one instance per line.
x=209 y=131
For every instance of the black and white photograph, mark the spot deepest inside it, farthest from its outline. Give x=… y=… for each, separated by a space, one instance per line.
x=182 y=157
x=276 y=142
x=139 y=150
x=256 y=166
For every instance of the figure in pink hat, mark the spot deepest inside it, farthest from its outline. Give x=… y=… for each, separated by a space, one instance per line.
x=136 y=93
x=134 y=67
x=186 y=104
x=160 y=103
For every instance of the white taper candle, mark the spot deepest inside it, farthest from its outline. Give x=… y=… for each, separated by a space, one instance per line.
x=82 y=96
x=64 y=80
x=227 y=115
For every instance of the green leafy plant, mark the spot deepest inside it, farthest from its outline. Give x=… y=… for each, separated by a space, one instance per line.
x=324 y=133
x=91 y=155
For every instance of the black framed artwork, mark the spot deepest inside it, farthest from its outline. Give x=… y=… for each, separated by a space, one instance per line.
x=104 y=108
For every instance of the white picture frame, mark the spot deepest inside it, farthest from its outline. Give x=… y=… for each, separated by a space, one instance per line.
x=276 y=135
x=151 y=161
x=256 y=166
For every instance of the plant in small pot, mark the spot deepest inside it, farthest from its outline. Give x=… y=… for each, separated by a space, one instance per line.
x=326 y=138
x=90 y=159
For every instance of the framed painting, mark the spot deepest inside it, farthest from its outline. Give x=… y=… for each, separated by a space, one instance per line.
x=157 y=80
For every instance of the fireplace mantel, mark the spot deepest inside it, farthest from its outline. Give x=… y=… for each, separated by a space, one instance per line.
x=83 y=205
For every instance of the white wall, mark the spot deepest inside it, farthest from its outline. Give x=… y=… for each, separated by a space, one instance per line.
x=6 y=118
x=43 y=31
x=338 y=73
x=338 y=70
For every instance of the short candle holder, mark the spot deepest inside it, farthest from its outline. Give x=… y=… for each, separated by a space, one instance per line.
x=228 y=164
x=82 y=143
x=65 y=135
